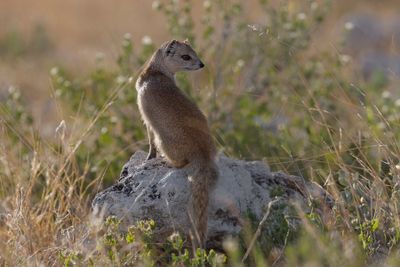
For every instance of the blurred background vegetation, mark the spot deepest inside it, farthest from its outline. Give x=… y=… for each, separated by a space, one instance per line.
x=311 y=87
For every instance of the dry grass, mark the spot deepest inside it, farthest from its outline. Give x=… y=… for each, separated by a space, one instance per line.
x=45 y=196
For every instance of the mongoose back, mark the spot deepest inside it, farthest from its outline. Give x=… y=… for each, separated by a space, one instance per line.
x=176 y=127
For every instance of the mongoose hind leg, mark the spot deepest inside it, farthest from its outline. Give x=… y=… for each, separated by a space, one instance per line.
x=178 y=164
x=174 y=153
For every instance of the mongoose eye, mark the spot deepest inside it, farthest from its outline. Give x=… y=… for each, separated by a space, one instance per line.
x=186 y=57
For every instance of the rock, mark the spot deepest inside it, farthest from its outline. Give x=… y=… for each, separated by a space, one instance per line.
x=371 y=41
x=364 y=33
x=153 y=190
x=380 y=63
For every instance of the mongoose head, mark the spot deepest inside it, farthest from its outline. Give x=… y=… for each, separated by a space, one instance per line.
x=180 y=56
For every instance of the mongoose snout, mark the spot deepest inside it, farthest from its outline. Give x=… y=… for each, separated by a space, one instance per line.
x=177 y=128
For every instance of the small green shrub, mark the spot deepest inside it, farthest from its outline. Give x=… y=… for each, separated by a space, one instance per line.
x=135 y=246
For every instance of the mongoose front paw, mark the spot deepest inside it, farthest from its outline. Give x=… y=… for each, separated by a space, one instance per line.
x=151 y=156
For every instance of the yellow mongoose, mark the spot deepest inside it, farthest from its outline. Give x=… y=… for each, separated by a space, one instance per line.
x=176 y=126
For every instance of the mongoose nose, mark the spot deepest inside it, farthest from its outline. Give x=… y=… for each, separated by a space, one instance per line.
x=201 y=65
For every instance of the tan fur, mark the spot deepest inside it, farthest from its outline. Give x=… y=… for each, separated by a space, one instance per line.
x=176 y=126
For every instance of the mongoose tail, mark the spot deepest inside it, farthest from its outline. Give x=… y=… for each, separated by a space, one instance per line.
x=203 y=176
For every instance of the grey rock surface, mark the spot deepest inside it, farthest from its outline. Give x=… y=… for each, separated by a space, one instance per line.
x=369 y=39
x=153 y=190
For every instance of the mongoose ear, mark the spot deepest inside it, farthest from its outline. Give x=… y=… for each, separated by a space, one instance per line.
x=170 y=47
x=186 y=41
